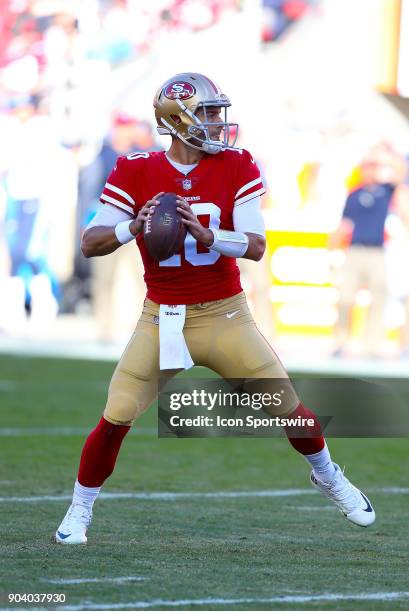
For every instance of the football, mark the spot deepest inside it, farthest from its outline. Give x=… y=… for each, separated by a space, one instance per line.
x=164 y=232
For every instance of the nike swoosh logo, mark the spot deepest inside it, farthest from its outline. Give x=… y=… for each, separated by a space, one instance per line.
x=230 y=315
x=63 y=535
x=368 y=505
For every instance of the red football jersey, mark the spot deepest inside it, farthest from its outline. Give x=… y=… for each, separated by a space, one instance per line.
x=213 y=188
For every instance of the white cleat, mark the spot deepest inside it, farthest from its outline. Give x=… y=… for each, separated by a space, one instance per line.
x=353 y=504
x=74 y=526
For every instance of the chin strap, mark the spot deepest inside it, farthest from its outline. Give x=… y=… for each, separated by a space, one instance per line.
x=212 y=148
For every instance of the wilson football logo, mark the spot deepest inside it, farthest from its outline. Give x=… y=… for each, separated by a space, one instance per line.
x=179 y=90
x=166 y=219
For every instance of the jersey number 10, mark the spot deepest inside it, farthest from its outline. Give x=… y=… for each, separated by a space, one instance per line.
x=191 y=253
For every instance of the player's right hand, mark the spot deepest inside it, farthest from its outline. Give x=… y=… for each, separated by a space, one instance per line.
x=148 y=209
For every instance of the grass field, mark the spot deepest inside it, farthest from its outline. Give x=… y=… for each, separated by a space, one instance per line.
x=283 y=549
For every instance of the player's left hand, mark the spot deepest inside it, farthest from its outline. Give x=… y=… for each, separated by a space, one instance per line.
x=193 y=225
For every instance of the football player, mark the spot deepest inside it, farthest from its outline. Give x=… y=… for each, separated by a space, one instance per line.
x=221 y=189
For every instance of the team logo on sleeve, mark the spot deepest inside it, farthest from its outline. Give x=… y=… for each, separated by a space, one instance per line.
x=179 y=90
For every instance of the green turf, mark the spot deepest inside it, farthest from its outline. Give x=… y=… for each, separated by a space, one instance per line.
x=191 y=548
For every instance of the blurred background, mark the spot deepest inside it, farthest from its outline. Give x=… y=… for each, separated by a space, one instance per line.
x=320 y=89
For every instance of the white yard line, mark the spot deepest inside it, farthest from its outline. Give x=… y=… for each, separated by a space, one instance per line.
x=284 y=599
x=12 y=384
x=311 y=508
x=165 y=496
x=64 y=431
x=277 y=599
x=117 y=580
x=12 y=432
x=169 y=496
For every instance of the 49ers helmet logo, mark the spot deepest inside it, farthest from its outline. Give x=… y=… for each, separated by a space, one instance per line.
x=179 y=90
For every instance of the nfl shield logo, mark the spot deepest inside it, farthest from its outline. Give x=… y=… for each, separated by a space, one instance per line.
x=187 y=184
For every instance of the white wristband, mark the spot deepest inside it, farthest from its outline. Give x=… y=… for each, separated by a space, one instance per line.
x=123 y=233
x=231 y=244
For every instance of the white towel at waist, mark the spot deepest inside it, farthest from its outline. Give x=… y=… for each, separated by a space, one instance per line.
x=174 y=353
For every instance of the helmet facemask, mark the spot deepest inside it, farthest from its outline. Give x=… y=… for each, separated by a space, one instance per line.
x=203 y=133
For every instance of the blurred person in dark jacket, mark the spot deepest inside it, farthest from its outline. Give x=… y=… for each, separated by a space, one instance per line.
x=362 y=233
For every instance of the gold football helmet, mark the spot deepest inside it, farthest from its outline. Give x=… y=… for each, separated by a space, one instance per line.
x=177 y=103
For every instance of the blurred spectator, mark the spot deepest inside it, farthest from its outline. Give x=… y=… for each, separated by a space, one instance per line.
x=362 y=233
x=40 y=185
x=278 y=15
x=401 y=206
x=127 y=135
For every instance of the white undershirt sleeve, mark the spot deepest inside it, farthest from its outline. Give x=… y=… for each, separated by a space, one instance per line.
x=109 y=216
x=247 y=217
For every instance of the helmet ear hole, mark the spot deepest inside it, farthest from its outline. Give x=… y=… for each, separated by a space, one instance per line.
x=176 y=119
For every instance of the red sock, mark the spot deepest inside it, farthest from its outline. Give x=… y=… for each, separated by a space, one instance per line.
x=306 y=439
x=99 y=454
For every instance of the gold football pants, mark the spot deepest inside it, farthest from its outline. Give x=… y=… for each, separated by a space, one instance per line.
x=220 y=335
